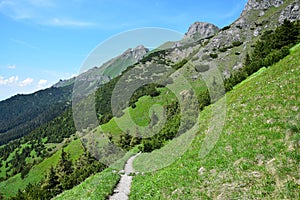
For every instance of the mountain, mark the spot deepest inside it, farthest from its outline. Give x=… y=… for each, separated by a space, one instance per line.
x=88 y=81
x=131 y=56
x=228 y=47
x=166 y=89
x=199 y=30
x=23 y=113
x=255 y=157
x=253 y=144
x=111 y=68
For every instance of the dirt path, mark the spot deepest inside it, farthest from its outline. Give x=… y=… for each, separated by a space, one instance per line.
x=122 y=190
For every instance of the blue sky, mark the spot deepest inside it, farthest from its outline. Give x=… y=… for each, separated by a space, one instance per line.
x=43 y=41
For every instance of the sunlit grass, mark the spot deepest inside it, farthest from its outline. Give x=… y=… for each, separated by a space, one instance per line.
x=257 y=155
x=11 y=186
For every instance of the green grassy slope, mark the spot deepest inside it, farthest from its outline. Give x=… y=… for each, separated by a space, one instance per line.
x=257 y=155
x=99 y=186
x=118 y=66
x=11 y=186
x=140 y=115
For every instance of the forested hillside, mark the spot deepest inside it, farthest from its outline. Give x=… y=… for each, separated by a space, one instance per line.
x=157 y=101
x=23 y=113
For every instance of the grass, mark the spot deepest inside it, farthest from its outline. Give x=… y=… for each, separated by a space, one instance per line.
x=257 y=155
x=139 y=115
x=118 y=66
x=4 y=169
x=11 y=186
x=100 y=185
x=273 y=12
x=95 y=187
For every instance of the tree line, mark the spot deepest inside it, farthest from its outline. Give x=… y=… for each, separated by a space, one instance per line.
x=64 y=176
x=272 y=46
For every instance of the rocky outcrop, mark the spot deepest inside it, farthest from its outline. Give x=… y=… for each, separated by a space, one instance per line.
x=261 y=5
x=196 y=32
x=127 y=58
x=200 y=30
x=291 y=12
x=136 y=53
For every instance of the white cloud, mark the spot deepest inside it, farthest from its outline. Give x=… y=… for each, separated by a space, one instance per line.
x=42 y=83
x=26 y=82
x=9 y=81
x=11 y=67
x=73 y=75
x=14 y=81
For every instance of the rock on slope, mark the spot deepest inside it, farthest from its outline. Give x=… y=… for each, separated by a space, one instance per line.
x=200 y=30
x=232 y=43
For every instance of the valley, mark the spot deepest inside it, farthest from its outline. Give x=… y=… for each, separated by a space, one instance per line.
x=212 y=116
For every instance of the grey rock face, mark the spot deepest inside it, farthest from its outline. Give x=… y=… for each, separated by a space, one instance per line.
x=137 y=53
x=200 y=30
x=261 y=5
x=291 y=12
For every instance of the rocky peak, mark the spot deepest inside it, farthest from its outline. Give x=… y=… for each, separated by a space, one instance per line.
x=200 y=30
x=137 y=53
x=261 y=5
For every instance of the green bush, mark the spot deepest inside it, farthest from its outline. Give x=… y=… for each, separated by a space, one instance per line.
x=272 y=46
x=224 y=49
x=213 y=55
x=180 y=64
x=237 y=43
x=225 y=28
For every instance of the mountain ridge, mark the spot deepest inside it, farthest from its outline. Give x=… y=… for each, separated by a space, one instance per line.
x=127 y=58
x=228 y=46
x=56 y=98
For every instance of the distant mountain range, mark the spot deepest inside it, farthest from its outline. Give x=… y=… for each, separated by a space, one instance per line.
x=21 y=114
x=44 y=121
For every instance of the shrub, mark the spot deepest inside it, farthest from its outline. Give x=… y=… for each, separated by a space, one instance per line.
x=225 y=28
x=180 y=64
x=223 y=49
x=237 y=43
x=213 y=55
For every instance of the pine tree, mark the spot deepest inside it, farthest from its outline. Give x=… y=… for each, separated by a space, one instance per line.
x=64 y=169
x=1 y=195
x=64 y=166
x=51 y=180
x=286 y=34
x=247 y=61
x=125 y=139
